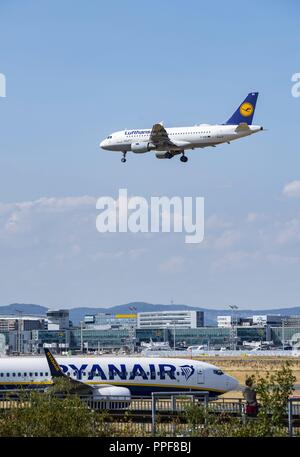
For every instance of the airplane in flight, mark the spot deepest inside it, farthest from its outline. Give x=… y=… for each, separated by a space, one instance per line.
x=168 y=142
x=112 y=377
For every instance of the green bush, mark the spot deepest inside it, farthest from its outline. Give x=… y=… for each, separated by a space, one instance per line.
x=47 y=415
x=272 y=391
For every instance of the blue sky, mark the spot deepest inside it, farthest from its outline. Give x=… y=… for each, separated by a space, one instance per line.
x=75 y=72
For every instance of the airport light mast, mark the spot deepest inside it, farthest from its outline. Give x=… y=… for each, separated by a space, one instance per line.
x=168 y=326
x=81 y=337
x=174 y=334
x=19 y=331
x=283 y=321
x=233 y=328
x=132 y=331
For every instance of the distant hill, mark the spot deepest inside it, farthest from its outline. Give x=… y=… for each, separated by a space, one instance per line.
x=77 y=314
x=16 y=308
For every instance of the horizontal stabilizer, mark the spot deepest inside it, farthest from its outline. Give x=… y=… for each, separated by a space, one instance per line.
x=242 y=126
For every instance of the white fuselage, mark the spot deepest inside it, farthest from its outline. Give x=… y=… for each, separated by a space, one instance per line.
x=184 y=138
x=140 y=375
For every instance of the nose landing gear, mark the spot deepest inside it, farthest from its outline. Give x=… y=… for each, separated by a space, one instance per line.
x=183 y=158
x=123 y=160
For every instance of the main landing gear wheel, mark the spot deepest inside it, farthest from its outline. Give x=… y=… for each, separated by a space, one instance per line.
x=183 y=158
x=123 y=160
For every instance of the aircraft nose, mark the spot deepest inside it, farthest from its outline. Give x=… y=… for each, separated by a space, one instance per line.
x=232 y=383
x=103 y=144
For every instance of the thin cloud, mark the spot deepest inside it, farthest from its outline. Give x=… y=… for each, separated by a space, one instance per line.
x=292 y=189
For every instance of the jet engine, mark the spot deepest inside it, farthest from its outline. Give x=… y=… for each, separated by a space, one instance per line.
x=112 y=397
x=182 y=144
x=142 y=147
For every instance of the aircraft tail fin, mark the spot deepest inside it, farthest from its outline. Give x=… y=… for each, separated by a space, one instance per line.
x=57 y=373
x=245 y=112
x=55 y=370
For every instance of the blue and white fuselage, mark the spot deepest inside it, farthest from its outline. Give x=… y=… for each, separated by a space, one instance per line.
x=118 y=375
x=168 y=142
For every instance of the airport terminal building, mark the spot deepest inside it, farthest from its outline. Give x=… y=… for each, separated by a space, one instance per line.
x=165 y=319
x=128 y=332
x=91 y=340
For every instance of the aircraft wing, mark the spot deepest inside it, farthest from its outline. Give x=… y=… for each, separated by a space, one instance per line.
x=159 y=136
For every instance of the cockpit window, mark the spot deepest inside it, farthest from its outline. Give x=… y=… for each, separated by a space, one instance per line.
x=218 y=372
x=109 y=137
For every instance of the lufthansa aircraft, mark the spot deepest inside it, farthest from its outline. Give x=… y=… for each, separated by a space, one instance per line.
x=114 y=376
x=168 y=142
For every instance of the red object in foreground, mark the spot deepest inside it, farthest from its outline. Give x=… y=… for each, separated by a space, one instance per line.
x=251 y=410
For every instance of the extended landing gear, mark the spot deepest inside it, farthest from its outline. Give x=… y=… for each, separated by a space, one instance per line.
x=168 y=155
x=123 y=160
x=183 y=158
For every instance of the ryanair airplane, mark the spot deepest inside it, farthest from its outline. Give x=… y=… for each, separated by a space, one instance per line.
x=168 y=142
x=114 y=376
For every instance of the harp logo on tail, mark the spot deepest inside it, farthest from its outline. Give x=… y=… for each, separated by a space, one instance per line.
x=187 y=371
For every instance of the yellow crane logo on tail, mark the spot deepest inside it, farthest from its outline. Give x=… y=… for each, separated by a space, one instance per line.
x=246 y=109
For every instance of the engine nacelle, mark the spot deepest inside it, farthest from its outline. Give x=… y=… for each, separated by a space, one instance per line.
x=182 y=144
x=114 y=392
x=141 y=147
x=111 y=397
x=164 y=155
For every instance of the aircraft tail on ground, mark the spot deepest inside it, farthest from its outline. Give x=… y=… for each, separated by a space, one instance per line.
x=75 y=386
x=55 y=369
x=245 y=112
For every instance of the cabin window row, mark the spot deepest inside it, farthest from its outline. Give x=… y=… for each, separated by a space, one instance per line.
x=178 y=133
x=20 y=375
x=46 y=374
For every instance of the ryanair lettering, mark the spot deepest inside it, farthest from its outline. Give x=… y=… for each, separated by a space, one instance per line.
x=120 y=372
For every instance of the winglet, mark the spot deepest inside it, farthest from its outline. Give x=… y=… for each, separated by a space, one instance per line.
x=55 y=370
